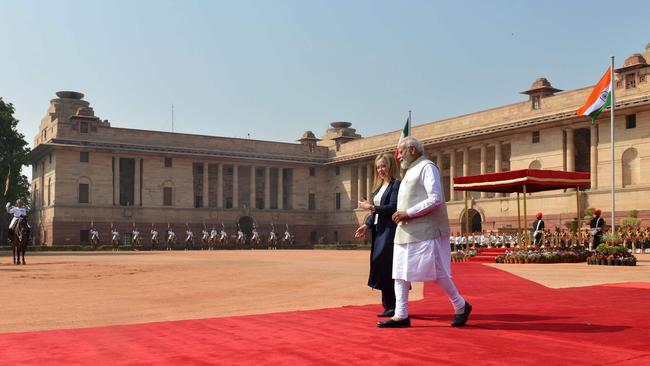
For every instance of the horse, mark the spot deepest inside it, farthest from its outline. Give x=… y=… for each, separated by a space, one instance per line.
x=286 y=240
x=241 y=239
x=137 y=241
x=155 y=240
x=19 y=239
x=222 y=239
x=273 y=241
x=205 y=241
x=255 y=239
x=171 y=240
x=94 y=239
x=115 y=241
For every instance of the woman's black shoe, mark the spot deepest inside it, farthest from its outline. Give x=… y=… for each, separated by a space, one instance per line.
x=386 y=314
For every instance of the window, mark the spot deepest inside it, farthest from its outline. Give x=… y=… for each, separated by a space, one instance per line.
x=84 y=156
x=630 y=121
x=336 y=236
x=198 y=201
x=84 y=236
x=50 y=157
x=337 y=170
x=338 y=200
x=83 y=192
x=630 y=81
x=83 y=127
x=312 y=172
x=167 y=196
x=49 y=190
x=228 y=202
x=537 y=102
x=312 y=201
x=535 y=137
x=168 y=162
x=199 y=169
x=312 y=236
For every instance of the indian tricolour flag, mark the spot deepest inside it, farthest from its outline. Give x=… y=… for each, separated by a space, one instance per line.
x=599 y=99
x=406 y=131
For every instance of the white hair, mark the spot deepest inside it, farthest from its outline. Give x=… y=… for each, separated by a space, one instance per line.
x=410 y=141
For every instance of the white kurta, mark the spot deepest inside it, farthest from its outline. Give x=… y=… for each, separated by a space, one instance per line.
x=426 y=260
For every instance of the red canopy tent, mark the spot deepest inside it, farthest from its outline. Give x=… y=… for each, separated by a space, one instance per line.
x=522 y=181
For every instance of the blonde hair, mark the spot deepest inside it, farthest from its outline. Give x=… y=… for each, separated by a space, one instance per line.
x=392 y=171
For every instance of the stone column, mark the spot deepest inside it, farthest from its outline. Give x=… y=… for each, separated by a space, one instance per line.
x=117 y=180
x=252 y=184
x=361 y=189
x=466 y=164
x=267 y=187
x=439 y=162
x=497 y=161
x=570 y=151
x=136 y=183
x=483 y=164
x=206 y=191
x=235 y=186
x=452 y=174
x=220 y=186
x=594 y=157
x=280 y=192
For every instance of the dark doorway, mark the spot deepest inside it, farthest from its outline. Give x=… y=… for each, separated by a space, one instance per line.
x=474 y=222
x=246 y=225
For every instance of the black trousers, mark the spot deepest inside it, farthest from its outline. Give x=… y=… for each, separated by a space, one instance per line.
x=388 y=296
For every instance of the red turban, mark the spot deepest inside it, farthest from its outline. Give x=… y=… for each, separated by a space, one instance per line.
x=597 y=212
x=538 y=216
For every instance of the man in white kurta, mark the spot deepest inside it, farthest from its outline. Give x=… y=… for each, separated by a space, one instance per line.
x=422 y=249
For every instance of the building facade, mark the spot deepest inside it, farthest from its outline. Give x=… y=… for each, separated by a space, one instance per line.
x=86 y=171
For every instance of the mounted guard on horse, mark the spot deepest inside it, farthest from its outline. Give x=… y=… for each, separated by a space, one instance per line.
x=287 y=238
x=273 y=238
x=155 y=237
x=171 y=237
x=255 y=237
x=241 y=238
x=94 y=237
x=115 y=238
x=19 y=230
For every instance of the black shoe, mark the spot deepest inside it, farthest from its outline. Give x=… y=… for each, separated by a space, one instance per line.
x=461 y=319
x=390 y=323
x=386 y=314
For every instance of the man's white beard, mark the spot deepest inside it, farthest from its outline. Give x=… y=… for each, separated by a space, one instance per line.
x=406 y=162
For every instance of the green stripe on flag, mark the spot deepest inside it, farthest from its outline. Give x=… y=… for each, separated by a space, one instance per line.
x=597 y=112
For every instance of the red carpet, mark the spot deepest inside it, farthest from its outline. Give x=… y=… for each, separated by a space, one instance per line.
x=515 y=322
x=488 y=255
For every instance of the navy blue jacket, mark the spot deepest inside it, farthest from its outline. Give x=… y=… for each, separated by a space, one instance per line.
x=383 y=235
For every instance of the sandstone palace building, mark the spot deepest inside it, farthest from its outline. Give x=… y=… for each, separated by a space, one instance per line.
x=85 y=170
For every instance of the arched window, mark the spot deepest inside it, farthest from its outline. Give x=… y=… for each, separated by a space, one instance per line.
x=631 y=167
x=535 y=164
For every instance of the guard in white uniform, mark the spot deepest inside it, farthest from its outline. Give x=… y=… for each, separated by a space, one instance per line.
x=422 y=250
x=18 y=211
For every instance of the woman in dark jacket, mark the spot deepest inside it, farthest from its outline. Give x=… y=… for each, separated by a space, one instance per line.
x=381 y=207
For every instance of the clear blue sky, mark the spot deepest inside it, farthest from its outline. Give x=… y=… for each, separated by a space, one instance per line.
x=277 y=68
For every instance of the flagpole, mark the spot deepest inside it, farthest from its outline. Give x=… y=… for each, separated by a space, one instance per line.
x=611 y=86
x=409 y=122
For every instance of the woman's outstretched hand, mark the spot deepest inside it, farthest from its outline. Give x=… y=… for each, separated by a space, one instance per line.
x=361 y=231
